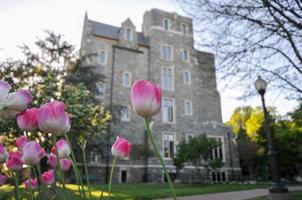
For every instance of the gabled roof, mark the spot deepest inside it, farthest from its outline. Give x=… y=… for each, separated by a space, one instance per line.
x=109 y=31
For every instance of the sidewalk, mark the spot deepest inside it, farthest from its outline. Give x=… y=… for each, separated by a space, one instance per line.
x=238 y=195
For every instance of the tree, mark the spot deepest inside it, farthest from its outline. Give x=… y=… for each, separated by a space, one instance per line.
x=247 y=123
x=198 y=151
x=47 y=74
x=251 y=37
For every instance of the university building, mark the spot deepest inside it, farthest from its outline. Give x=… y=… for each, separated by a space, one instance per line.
x=164 y=53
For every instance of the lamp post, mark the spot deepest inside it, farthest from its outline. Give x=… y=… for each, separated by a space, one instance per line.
x=277 y=191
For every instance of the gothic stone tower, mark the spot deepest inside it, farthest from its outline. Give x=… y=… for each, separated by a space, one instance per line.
x=163 y=52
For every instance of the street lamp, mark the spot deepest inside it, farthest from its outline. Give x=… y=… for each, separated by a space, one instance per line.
x=277 y=191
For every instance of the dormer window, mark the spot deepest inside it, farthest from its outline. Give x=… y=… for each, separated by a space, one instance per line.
x=166 y=24
x=128 y=34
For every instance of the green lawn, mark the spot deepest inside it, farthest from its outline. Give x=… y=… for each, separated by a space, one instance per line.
x=152 y=191
x=297 y=195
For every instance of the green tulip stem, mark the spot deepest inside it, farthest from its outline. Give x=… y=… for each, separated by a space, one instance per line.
x=86 y=170
x=110 y=178
x=76 y=170
x=59 y=169
x=17 y=192
x=160 y=159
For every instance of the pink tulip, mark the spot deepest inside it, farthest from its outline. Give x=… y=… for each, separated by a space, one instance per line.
x=21 y=141
x=2 y=179
x=3 y=154
x=63 y=148
x=52 y=160
x=48 y=177
x=145 y=98
x=27 y=120
x=52 y=118
x=19 y=100
x=13 y=103
x=4 y=90
x=65 y=164
x=14 y=161
x=121 y=148
x=32 y=185
x=32 y=153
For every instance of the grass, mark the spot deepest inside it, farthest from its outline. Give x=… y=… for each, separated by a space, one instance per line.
x=145 y=191
x=296 y=195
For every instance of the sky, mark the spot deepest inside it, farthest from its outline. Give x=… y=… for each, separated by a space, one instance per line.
x=22 y=21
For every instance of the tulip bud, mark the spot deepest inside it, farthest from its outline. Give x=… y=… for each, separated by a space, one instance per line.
x=3 y=154
x=21 y=141
x=65 y=164
x=27 y=120
x=63 y=148
x=14 y=161
x=52 y=118
x=48 y=177
x=32 y=185
x=145 y=98
x=52 y=160
x=32 y=153
x=121 y=148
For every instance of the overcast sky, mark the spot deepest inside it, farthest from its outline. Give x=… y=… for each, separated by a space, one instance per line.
x=21 y=21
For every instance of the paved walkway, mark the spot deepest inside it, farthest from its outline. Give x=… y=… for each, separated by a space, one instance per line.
x=239 y=195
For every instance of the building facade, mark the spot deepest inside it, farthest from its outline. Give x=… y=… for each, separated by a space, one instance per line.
x=164 y=53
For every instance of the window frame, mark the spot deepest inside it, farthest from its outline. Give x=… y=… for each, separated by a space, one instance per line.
x=183 y=55
x=120 y=174
x=130 y=79
x=129 y=114
x=174 y=108
x=172 y=77
x=163 y=144
x=91 y=157
x=105 y=57
x=162 y=52
x=191 y=107
x=168 y=23
x=100 y=96
x=126 y=34
x=189 y=77
x=222 y=145
x=184 y=28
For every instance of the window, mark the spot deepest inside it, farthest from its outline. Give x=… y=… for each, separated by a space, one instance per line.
x=94 y=157
x=187 y=77
x=167 y=78
x=168 y=110
x=189 y=136
x=184 y=28
x=188 y=107
x=166 y=24
x=195 y=61
x=218 y=176
x=128 y=34
x=100 y=90
x=167 y=53
x=123 y=176
x=218 y=152
x=102 y=57
x=169 y=145
x=127 y=79
x=185 y=55
x=125 y=113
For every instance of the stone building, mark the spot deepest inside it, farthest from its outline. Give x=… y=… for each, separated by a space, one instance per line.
x=164 y=53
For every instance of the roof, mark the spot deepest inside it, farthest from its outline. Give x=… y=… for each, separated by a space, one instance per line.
x=109 y=31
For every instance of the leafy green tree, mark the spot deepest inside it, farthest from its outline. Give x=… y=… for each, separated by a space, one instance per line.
x=198 y=151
